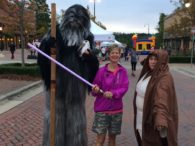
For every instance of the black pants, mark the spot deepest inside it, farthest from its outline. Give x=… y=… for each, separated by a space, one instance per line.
x=12 y=54
x=133 y=66
x=164 y=141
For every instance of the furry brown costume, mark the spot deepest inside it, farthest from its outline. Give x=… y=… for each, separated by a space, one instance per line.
x=71 y=92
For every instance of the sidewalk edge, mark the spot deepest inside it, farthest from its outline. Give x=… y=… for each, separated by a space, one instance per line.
x=22 y=89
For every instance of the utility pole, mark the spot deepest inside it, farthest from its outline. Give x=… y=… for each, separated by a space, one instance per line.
x=188 y=4
x=94 y=8
x=148 y=28
x=193 y=38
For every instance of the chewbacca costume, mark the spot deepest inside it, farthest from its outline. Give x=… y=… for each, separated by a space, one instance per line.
x=70 y=116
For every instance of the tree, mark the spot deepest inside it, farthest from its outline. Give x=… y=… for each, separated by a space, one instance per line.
x=183 y=26
x=160 y=29
x=124 y=38
x=18 y=12
x=42 y=17
x=26 y=17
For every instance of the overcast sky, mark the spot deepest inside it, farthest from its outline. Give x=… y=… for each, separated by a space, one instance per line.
x=123 y=15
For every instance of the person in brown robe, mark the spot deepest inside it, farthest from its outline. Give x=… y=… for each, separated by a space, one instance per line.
x=159 y=109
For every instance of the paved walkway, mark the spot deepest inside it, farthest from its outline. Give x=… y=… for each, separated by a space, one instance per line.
x=5 y=57
x=22 y=124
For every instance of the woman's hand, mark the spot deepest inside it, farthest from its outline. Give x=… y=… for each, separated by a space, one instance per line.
x=95 y=89
x=160 y=127
x=108 y=94
x=162 y=131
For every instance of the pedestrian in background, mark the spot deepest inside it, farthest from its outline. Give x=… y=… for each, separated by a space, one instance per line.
x=126 y=53
x=155 y=103
x=104 y=52
x=2 y=46
x=113 y=80
x=12 y=49
x=134 y=60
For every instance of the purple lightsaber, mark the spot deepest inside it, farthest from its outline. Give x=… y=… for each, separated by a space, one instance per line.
x=62 y=66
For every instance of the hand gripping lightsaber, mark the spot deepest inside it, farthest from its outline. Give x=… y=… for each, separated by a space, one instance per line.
x=62 y=66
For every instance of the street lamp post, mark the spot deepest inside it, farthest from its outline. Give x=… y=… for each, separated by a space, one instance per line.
x=1 y=32
x=188 y=4
x=94 y=8
x=1 y=43
x=148 y=28
x=192 y=51
x=94 y=3
x=1 y=29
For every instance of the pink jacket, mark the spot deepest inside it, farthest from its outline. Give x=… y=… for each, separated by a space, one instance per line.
x=116 y=83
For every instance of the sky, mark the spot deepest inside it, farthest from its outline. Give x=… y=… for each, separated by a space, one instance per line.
x=124 y=16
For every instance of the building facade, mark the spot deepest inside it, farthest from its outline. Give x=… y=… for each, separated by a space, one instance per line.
x=177 y=36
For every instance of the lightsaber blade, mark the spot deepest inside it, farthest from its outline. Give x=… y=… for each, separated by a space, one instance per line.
x=61 y=65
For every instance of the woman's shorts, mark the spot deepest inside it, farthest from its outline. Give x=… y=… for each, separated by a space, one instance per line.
x=107 y=122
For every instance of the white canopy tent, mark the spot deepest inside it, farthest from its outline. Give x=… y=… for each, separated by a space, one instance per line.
x=119 y=44
x=105 y=43
x=101 y=34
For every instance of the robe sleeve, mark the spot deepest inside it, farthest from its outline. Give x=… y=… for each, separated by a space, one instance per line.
x=161 y=99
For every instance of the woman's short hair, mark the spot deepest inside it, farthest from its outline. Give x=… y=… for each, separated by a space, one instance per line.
x=112 y=47
x=153 y=53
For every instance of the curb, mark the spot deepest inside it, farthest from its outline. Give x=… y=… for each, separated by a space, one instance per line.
x=20 y=90
x=187 y=71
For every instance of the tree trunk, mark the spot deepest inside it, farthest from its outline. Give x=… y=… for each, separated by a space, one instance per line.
x=21 y=19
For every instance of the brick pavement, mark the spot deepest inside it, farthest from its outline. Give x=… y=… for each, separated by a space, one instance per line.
x=8 y=85
x=22 y=125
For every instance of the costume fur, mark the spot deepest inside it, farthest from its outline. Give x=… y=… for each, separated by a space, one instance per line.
x=70 y=115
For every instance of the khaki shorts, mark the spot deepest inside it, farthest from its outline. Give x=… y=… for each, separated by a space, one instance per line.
x=107 y=122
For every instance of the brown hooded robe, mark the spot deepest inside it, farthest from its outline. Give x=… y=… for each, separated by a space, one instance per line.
x=160 y=104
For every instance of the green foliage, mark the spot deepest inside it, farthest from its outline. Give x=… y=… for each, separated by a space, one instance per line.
x=180 y=59
x=16 y=68
x=160 y=29
x=126 y=38
x=42 y=17
x=182 y=26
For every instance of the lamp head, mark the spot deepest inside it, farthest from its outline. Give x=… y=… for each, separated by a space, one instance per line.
x=1 y=27
x=187 y=3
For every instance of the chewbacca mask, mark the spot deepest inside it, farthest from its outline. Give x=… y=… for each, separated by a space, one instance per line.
x=70 y=116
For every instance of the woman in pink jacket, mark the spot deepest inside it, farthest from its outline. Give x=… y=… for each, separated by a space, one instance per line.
x=113 y=80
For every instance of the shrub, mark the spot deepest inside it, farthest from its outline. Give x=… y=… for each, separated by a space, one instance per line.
x=180 y=59
x=16 y=68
